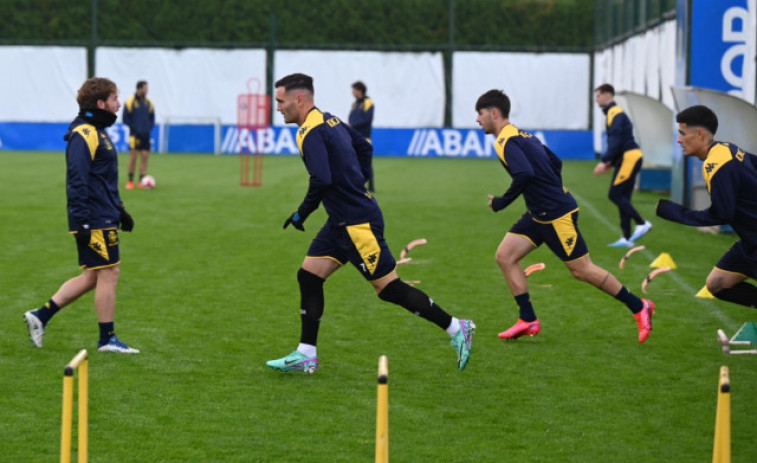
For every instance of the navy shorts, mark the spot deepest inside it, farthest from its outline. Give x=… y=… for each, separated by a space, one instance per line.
x=362 y=244
x=738 y=260
x=561 y=235
x=139 y=142
x=102 y=250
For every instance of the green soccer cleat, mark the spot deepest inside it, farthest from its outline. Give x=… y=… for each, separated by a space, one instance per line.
x=463 y=342
x=296 y=361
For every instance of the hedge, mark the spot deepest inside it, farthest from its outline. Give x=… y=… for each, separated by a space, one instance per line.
x=496 y=24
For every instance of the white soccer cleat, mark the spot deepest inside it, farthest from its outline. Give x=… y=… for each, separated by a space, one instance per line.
x=35 y=326
x=641 y=230
x=622 y=243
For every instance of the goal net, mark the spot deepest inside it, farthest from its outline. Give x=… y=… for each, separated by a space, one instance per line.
x=190 y=134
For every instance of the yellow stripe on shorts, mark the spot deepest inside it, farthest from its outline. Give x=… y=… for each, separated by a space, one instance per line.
x=367 y=245
x=97 y=243
x=630 y=158
x=566 y=232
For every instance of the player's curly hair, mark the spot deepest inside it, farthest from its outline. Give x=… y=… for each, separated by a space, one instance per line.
x=699 y=116
x=494 y=99
x=293 y=81
x=94 y=89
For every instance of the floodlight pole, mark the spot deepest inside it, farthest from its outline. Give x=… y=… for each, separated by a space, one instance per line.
x=92 y=41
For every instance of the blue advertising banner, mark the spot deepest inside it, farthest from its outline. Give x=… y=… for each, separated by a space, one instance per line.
x=430 y=142
x=425 y=142
x=48 y=136
x=719 y=44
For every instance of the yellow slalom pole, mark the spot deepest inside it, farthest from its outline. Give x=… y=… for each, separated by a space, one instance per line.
x=83 y=410
x=721 y=452
x=382 y=412
x=81 y=363
x=67 y=420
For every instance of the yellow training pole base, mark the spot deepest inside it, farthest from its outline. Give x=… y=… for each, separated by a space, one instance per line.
x=721 y=451
x=382 y=412
x=79 y=362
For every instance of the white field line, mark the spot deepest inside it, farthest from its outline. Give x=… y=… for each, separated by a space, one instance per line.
x=712 y=308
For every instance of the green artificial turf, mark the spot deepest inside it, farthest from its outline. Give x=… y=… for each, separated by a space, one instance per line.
x=208 y=292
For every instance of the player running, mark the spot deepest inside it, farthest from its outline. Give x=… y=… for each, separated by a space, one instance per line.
x=551 y=218
x=338 y=161
x=731 y=180
x=624 y=154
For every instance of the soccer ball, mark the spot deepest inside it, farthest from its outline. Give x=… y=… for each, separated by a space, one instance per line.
x=148 y=181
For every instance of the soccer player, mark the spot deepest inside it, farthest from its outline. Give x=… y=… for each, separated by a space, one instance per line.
x=337 y=159
x=361 y=118
x=95 y=211
x=624 y=154
x=139 y=116
x=551 y=217
x=731 y=180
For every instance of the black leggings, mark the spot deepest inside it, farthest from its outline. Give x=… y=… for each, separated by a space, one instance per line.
x=621 y=195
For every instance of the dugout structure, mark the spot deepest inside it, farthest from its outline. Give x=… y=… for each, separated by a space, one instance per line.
x=253 y=115
x=652 y=123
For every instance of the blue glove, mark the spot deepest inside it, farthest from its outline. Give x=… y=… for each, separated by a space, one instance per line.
x=296 y=221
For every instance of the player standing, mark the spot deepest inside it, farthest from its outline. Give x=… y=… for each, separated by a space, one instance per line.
x=94 y=212
x=731 y=180
x=337 y=159
x=361 y=118
x=139 y=116
x=551 y=218
x=624 y=154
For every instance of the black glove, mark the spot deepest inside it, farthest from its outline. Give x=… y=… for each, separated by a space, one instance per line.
x=83 y=235
x=665 y=208
x=127 y=223
x=296 y=221
x=498 y=203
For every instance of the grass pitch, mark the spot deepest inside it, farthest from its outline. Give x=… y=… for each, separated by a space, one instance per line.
x=208 y=292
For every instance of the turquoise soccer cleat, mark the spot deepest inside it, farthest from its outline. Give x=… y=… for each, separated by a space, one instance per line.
x=296 y=361
x=463 y=342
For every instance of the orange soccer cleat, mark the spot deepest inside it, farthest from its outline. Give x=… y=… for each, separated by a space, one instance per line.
x=130 y=185
x=644 y=319
x=521 y=328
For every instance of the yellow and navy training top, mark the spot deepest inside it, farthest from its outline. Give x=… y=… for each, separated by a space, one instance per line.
x=536 y=173
x=731 y=179
x=139 y=115
x=338 y=160
x=91 y=172
x=619 y=134
x=361 y=116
